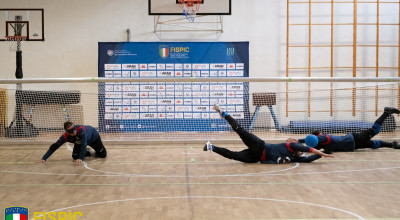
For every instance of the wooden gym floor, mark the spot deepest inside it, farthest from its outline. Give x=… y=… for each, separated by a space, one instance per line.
x=184 y=182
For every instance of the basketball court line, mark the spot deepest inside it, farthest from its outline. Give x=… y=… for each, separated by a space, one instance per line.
x=268 y=173
x=211 y=197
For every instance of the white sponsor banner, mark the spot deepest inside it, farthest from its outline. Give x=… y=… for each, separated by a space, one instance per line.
x=148 y=115
x=134 y=74
x=113 y=109
x=131 y=95
x=152 y=66
x=165 y=101
x=188 y=115
x=161 y=66
x=231 y=66
x=200 y=108
x=130 y=88
x=218 y=66
x=126 y=109
x=143 y=66
x=117 y=88
x=239 y=66
x=109 y=88
x=112 y=67
x=165 y=73
x=237 y=115
x=130 y=66
x=126 y=74
x=235 y=101
x=117 y=101
x=196 y=115
x=178 y=66
x=135 y=109
x=108 y=74
x=113 y=95
x=129 y=116
x=200 y=66
x=117 y=74
x=109 y=102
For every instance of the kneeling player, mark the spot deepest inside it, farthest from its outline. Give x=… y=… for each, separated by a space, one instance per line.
x=81 y=136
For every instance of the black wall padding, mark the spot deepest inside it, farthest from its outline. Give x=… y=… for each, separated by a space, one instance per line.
x=28 y=97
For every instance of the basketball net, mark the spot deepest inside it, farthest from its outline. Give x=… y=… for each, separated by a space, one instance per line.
x=15 y=42
x=190 y=8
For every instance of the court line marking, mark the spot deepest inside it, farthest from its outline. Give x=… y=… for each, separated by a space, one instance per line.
x=192 y=176
x=194 y=184
x=240 y=175
x=116 y=174
x=211 y=197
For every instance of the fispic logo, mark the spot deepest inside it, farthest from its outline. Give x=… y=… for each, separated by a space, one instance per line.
x=164 y=51
x=57 y=215
x=16 y=213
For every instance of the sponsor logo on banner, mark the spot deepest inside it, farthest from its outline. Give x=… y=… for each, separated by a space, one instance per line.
x=164 y=51
x=20 y=213
x=112 y=66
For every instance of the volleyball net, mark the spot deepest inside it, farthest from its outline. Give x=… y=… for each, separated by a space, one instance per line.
x=170 y=110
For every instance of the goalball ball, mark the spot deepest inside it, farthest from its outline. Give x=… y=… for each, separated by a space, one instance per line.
x=311 y=140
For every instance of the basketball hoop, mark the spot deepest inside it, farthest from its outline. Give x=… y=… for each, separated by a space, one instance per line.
x=15 y=42
x=190 y=8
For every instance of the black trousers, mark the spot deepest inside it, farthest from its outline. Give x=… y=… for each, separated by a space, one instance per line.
x=363 y=138
x=255 y=145
x=97 y=146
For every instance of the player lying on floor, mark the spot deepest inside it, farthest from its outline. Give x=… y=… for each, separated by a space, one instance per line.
x=81 y=136
x=259 y=151
x=351 y=141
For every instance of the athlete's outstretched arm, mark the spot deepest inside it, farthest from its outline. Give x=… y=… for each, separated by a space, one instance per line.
x=318 y=152
x=52 y=149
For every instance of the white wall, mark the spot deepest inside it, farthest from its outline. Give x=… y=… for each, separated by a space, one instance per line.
x=73 y=28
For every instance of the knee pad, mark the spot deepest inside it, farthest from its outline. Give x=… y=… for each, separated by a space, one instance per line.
x=376 y=144
x=75 y=156
x=102 y=153
x=376 y=128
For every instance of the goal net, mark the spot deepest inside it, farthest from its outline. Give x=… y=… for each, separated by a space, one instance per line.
x=167 y=112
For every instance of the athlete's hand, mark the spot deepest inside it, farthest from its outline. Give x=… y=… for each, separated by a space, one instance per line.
x=328 y=155
x=292 y=140
x=40 y=161
x=78 y=161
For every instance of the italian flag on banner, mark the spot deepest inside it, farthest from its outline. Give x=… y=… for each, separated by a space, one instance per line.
x=16 y=217
x=163 y=52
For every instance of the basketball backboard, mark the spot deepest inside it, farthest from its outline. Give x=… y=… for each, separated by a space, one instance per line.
x=207 y=7
x=27 y=22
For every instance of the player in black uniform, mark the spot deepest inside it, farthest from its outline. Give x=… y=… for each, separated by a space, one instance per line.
x=353 y=141
x=259 y=151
